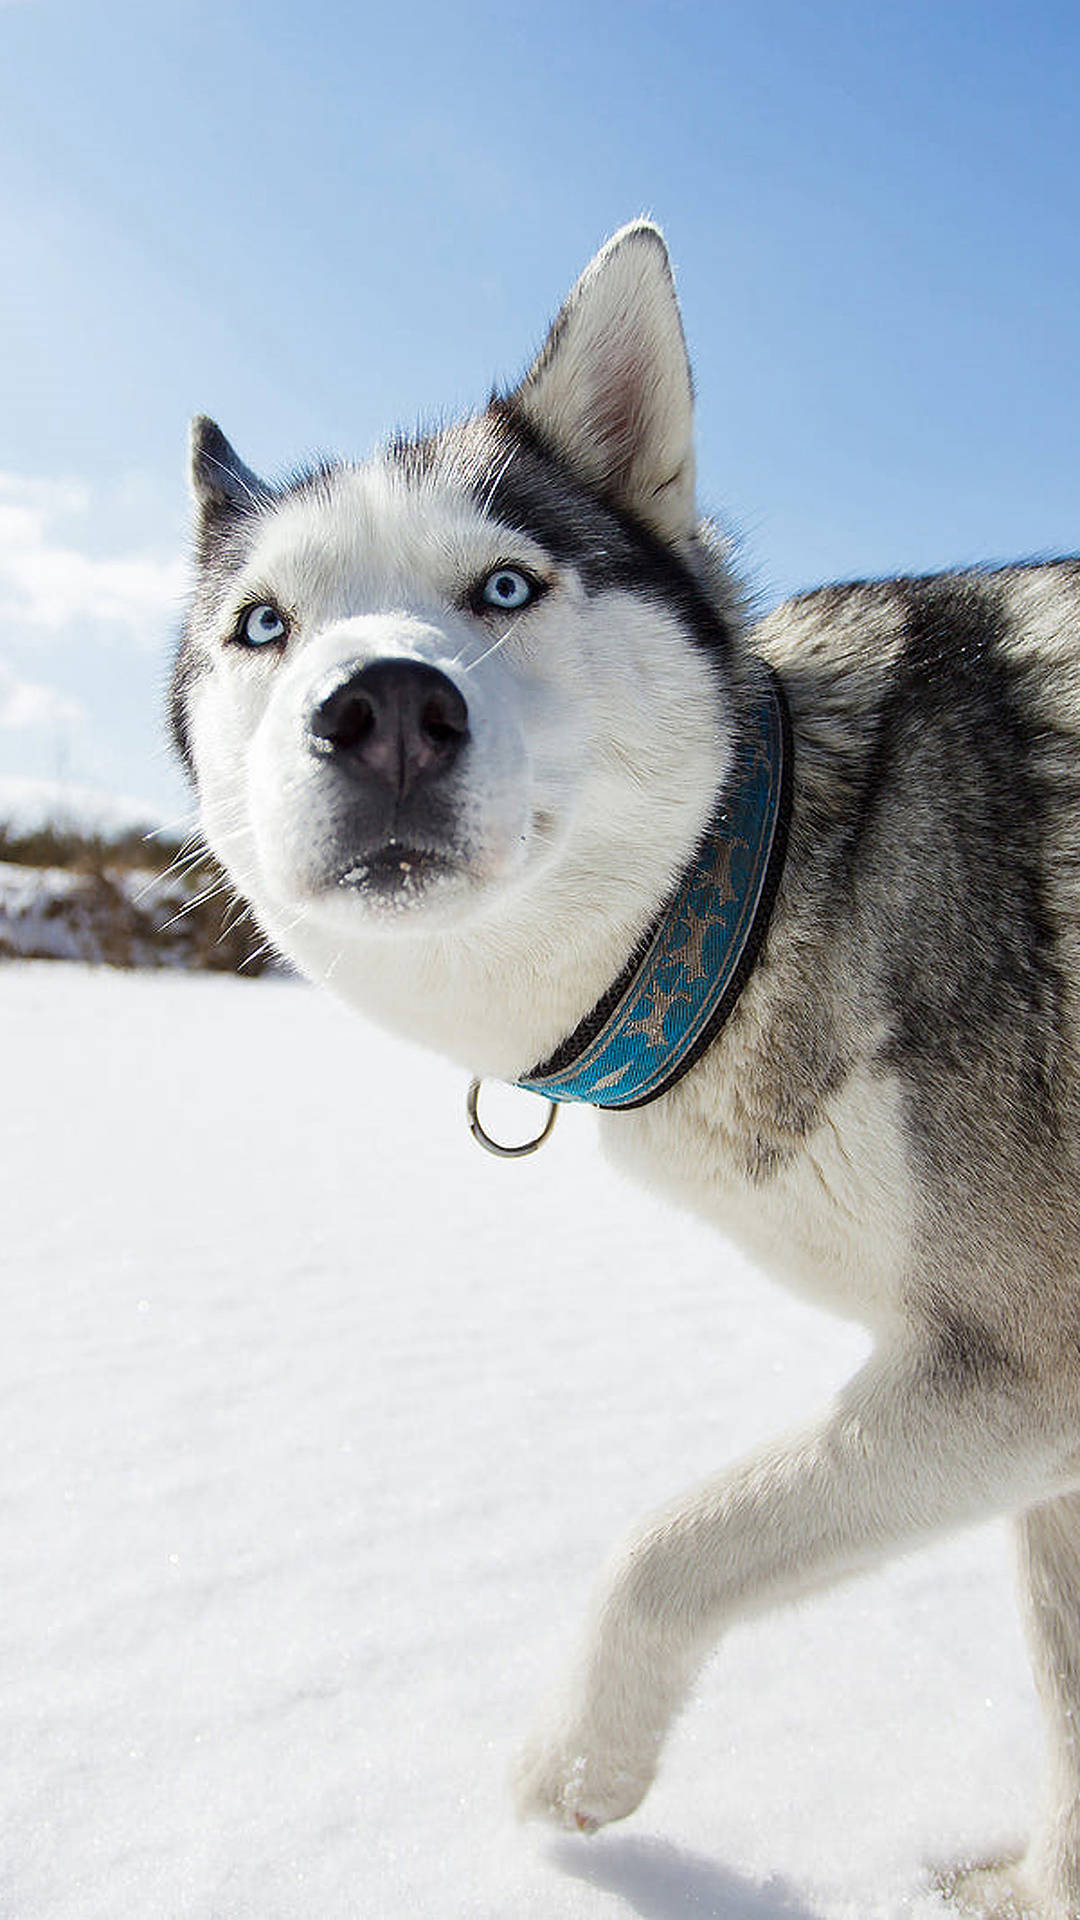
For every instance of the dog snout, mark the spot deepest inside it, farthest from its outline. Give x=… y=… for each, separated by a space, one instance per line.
x=392 y=724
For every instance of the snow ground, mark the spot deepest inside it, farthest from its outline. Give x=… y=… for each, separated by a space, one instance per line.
x=317 y=1423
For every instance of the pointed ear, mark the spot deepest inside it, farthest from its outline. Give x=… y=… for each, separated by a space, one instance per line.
x=224 y=489
x=611 y=388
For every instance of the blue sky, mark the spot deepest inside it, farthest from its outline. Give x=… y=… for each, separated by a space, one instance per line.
x=319 y=222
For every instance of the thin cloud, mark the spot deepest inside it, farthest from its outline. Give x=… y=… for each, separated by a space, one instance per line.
x=29 y=706
x=49 y=583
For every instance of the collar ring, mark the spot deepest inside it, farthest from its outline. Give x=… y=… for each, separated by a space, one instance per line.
x=480 y=1133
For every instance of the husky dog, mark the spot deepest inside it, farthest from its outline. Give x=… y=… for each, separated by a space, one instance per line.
x=461 y=721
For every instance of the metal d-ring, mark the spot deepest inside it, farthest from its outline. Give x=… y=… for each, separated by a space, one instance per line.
x=477 y=1129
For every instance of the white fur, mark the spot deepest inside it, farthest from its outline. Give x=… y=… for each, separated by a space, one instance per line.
x=834 y=1224
x=581 y=714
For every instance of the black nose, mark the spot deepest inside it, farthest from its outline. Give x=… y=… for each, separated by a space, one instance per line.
x=394 y=722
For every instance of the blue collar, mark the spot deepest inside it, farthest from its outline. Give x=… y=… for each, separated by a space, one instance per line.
x=670 y=1002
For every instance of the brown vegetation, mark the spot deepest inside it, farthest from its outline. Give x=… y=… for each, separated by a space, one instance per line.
x=139 y=900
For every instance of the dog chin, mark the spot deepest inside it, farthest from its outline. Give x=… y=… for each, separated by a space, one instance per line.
x=396 y=886
x=398 y=877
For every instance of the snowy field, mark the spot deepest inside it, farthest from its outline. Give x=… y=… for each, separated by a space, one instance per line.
x=317 y=1422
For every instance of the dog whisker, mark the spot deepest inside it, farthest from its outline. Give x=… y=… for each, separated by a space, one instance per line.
x=488 y=651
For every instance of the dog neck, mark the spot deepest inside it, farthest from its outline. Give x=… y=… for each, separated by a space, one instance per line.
x=682 y=982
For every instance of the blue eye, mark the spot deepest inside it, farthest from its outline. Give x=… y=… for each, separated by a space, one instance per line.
x=507 y=588
x=261 y=627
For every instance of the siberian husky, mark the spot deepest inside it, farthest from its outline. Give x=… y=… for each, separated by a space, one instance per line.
x=481 y=729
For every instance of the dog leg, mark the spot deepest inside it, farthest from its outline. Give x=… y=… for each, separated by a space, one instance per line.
x=912 y=1446
x=1046 y=1882
x=998 y=1891
x=1049 y=1542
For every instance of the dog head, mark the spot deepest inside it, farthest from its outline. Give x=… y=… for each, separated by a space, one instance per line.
x=477 y=684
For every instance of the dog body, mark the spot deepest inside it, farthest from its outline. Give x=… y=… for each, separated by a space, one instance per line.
x=458 y=720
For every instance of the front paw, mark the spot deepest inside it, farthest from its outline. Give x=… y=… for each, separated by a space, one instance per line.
x=999 y=1890
x=577 y=1783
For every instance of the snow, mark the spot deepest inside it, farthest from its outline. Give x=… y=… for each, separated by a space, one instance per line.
x=317 y=1422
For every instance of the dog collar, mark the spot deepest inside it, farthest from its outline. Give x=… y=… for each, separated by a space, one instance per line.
x=683 y=980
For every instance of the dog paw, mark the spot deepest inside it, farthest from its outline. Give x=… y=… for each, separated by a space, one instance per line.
x=576 y=1786
x=998 y=1890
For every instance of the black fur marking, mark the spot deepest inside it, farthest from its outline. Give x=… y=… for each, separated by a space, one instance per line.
x=953 y=821
x=187 y=670
x=525 y=484
x=608 y=547
x=218 y=523
x=965 y=1353
x=312 y=482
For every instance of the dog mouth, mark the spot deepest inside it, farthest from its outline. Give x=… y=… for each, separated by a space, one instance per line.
x=396 y=871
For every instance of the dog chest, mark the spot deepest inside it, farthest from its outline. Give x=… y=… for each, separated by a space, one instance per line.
x=833 y=1217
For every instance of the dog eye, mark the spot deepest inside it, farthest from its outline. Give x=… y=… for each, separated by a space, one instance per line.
x=508 y=588
x=261 y=627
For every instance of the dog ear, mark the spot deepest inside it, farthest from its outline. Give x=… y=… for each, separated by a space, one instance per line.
x=224 y=489
x=611 y=389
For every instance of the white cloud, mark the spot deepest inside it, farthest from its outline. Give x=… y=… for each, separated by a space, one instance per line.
x=50 y=583
x=30 y=706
